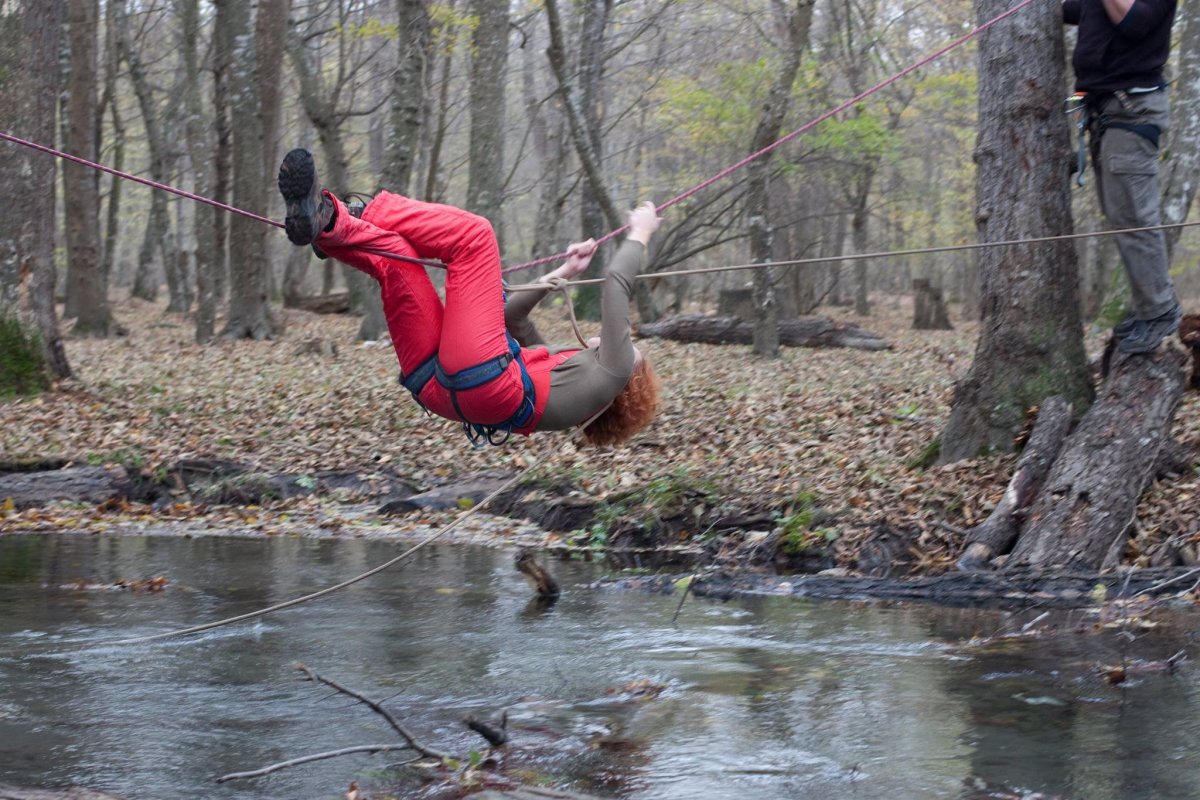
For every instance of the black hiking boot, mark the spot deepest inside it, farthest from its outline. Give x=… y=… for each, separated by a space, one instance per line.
x=309 y=211
x=1147 y=334
x=1125 y=326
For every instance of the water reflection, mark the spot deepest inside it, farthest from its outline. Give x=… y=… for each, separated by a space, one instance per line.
x=773 y=698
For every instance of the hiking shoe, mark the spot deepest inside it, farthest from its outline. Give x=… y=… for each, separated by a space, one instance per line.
x=1147 y=334
x=1125 y=326
x=309 y=211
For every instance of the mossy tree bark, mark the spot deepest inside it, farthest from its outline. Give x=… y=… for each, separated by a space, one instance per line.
x=1031 y=337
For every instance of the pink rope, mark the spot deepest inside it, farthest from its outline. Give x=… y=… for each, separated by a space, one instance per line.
x=185 y=194
x=798 y=132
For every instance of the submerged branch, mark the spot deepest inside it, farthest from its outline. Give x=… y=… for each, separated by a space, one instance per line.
x=267 y=770
x=378 y=709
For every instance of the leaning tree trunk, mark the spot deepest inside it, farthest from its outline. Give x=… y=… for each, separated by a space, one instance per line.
x=796 y=22
x=996 y=535
x=249 y=314
x=87 y=286
x=1031 y=338
x=581 y=103
x=1082 y=516
x=1181 y=169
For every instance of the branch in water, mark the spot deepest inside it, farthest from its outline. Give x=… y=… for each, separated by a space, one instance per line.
x=362 y=748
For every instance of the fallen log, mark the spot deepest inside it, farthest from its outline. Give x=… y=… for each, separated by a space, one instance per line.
x=997 y=533
x=92 y=485
x=1084 y=511
x=799 y=332
x=324 y=303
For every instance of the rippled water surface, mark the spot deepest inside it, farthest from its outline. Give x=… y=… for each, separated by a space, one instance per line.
x=763 y=699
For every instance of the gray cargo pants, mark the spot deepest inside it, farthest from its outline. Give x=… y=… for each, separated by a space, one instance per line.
x=1126 y=166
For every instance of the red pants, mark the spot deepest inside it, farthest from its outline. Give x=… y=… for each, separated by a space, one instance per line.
x=469 y=329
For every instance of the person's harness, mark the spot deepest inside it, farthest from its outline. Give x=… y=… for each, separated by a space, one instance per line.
x=472 y=378
x=1087 y=106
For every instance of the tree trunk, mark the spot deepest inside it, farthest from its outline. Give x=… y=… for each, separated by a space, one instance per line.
x=200 y=144
x=409 y=93
x=1181 y=169
x=249 y=314
x=29 y=47
x=581 y=104
x=158 y=225
x=998 y=532
x=489 y=63
x=87 y=287
x=795 y=24
x=117 y=145
x=929 y=307
x=1081 y=517
x=1031 y=339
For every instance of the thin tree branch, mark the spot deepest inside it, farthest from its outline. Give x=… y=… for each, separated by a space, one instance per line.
x=378 y=709
x=267 y=770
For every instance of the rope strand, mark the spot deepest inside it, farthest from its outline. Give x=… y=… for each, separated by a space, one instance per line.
x=799 y=131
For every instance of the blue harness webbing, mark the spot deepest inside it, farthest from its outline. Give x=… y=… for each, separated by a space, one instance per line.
x=473 y=377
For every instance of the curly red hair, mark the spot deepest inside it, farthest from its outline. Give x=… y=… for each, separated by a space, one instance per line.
x=630 y=411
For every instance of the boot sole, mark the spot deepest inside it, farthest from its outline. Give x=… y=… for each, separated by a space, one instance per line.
x=297 y=174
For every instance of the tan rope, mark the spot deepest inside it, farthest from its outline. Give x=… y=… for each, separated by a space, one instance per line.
x=330 y=589
x=563 y=285
x=800 y=262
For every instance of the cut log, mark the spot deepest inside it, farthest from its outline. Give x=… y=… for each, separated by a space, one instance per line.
x=324 y=303
x=799 y=332
x=91 y=485
x=929 y=307
x=1089 y=500
x=998 y=532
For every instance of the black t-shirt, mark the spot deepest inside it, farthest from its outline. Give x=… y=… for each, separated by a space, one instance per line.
x=1129 y=55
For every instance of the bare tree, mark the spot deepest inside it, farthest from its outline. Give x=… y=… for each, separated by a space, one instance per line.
x=1031 y=338
x=87 y=288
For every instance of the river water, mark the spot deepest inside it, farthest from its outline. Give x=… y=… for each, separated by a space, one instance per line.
x=770 y=698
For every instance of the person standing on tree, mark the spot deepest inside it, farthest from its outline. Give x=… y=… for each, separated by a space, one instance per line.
x=477 y=358
x=1121 y=49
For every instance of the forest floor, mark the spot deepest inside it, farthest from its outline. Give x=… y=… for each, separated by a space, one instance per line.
x=828 y=440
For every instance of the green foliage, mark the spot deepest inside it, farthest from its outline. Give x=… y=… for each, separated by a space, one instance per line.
x=800 y=536
x=864 y=137
x=668 y=496
x=719 y=108
x=22 y=365
x=928 y=455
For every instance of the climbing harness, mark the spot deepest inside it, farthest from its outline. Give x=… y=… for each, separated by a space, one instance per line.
x=1076 y=105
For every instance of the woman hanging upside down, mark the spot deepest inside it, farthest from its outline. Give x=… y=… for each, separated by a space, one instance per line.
x=478 y=359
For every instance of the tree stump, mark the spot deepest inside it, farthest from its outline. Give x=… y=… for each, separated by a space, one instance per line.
x=1088 y=502
x=799 y=332
x=997 y=533
x=929 y=307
